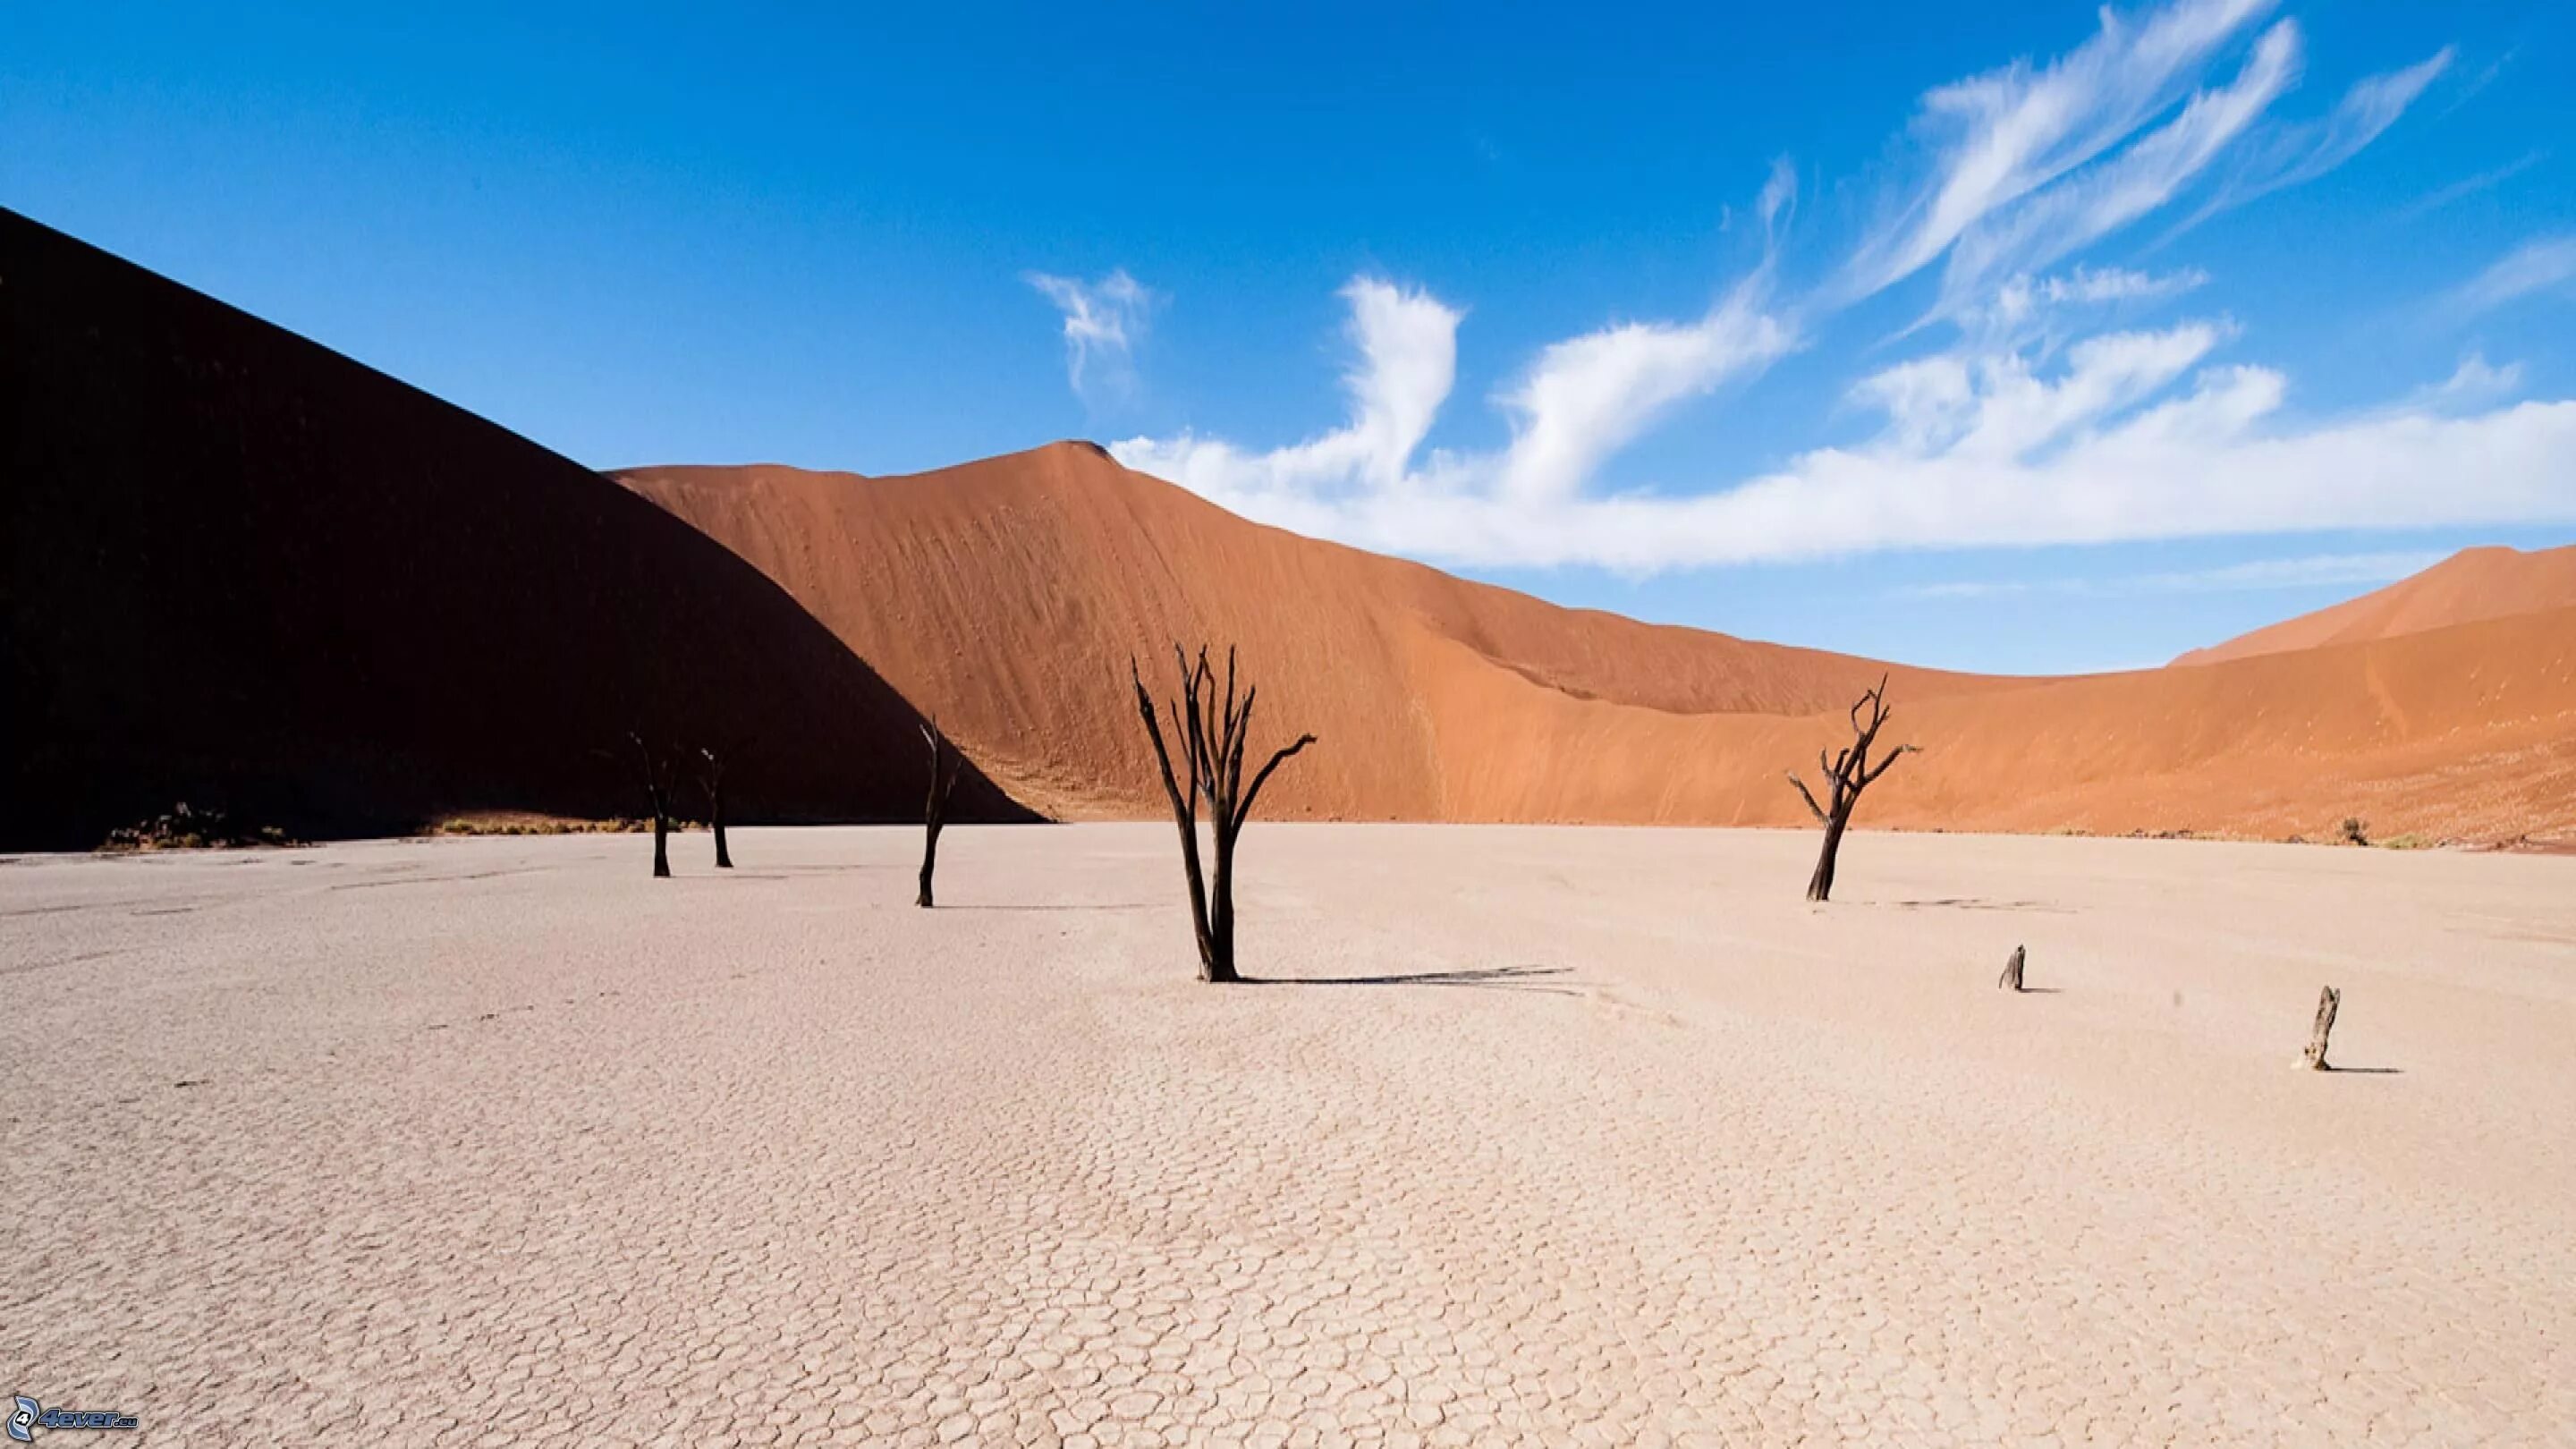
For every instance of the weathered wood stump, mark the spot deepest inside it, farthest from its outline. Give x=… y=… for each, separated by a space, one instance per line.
x=2011 y=979
x=2315 y=1056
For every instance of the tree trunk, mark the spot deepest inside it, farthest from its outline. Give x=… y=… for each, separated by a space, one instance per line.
x=661 y=845
x=2315 y=1056
x=1820 y=886
x=1219 y=955
x=2012 y=972
x=1210 y=969
x=929 y=861
x=724 y=856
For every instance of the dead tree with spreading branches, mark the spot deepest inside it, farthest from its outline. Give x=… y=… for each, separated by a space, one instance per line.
x=1213 y=734
x=658 y=775
x=711 y=778
x=944 y=765
x=1846 y=775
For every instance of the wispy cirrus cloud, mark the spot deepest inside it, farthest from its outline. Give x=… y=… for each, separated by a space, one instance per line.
x=1103 y=322
x=2468 y=186
x=2007 y=134
x=2538 y=267
x=2298 y=153
x=2305 y=572
x=2143 y=177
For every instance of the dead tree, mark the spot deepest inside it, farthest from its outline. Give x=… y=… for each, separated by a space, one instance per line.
x=2011 y=979
x=1846 y=775
x=944 y=765
x=711 y=776
x=1213 y=734
x=2314 y=1058
x=657 y=773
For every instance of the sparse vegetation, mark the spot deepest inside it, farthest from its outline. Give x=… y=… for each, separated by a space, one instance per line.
x=2356 y=831
x=542 y=825
x=1213 y=736
x=184 y=828
x=1846 y=775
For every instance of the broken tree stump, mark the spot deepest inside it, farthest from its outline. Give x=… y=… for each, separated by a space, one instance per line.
x=2011 y=979
x=2315 y=1056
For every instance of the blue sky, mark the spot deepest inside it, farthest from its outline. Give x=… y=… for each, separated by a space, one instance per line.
x=2020 y=337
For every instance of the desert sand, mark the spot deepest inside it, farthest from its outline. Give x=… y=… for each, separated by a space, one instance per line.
x=2471 y=585
x=1007 y=596
x=1540 y=1135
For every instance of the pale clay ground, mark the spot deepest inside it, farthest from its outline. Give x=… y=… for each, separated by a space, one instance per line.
x=497 y=1141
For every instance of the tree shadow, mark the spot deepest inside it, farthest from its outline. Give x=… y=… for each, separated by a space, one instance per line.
x=2037 y=991
x=1978 y=903
x=1486 y=978
x=1068 y=906
x=2366 y=1071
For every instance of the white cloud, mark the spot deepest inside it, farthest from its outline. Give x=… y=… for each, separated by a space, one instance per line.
x=2547 y=264
x=2111 y=284
x=2473 y=382
x=1580 y=401
x=2311 y=571
x=1588 y=397
x=1103 y=322
x=2008 y=133
x=2045 y=310
x=2125 y=441
x=1407 y=359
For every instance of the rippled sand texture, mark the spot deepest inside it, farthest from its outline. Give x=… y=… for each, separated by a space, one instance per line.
x=1546 y=1135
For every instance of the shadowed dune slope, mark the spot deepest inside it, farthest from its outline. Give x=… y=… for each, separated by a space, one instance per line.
x=248 y=573
x=1008 y=595
x=2473 y=584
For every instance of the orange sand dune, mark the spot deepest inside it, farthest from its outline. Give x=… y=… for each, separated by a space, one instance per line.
x=1008 y=595
x=2473 y=584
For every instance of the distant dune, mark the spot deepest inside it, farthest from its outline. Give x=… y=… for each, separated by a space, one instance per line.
x=1008 y=594
x=2471 y=585
x=252 y=575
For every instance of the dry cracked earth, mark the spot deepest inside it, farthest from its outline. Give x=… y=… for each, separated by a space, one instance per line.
x=1550 y=1136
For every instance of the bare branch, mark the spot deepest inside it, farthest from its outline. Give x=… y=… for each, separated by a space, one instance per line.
x=1812 y=807
x=1898 y=753
x=1243 y=811
x=1185 y=814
